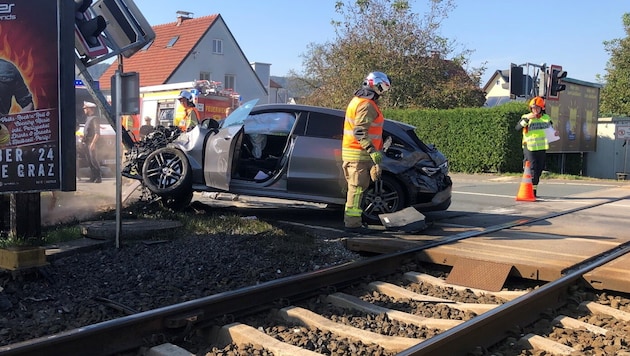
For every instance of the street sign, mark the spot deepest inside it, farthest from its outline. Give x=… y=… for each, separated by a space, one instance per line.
x=622 y=131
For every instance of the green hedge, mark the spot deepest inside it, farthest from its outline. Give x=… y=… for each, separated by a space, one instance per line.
x=475 y=140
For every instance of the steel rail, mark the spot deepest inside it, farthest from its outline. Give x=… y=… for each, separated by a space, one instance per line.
x=125 y=333
x=122 y=334
x=497 y=324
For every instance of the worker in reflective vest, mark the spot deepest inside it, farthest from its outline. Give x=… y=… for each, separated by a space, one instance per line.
x=191 y=117
x=535 y=144
x=362 y=144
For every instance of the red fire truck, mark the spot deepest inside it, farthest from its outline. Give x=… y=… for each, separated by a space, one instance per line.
x=159 y=102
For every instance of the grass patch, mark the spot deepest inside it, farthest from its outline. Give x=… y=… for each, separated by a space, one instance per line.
x=194 y=221
x=13 y=242
x=61 y=234
x=551 y=175
x=51 y=235
x=230 y=224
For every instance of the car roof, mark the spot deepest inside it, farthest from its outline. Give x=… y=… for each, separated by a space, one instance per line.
x=319 y=109
x=297 y=107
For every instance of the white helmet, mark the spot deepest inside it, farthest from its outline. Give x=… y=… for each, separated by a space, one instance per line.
x=185 y=94
x=377 y=81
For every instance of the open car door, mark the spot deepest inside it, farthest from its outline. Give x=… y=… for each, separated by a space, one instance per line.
x=219 y=151
x=223 y=147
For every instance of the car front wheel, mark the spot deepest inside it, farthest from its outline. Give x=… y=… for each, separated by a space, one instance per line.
x=166 y=172
x=382 y=197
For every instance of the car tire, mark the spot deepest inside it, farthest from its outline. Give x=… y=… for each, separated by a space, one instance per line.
x=391 y=199
x=167 y=173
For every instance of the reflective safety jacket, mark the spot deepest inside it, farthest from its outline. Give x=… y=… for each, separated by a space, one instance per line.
x=190 y=120
x=534 y=137
x=356 y=149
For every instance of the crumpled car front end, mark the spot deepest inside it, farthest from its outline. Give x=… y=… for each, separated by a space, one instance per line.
x=431 y=181
x=423 y=168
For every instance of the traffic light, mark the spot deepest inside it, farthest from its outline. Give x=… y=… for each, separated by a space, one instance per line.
x=127 y=31
x=87 y=30
x=556 y=85
x=516 y=81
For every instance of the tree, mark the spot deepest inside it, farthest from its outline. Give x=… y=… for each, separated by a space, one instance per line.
x=615 y=96
x=385 y=35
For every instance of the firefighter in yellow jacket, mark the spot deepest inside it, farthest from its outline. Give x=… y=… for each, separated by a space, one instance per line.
x=362 y=144
x=191 y=114
x=535 y=144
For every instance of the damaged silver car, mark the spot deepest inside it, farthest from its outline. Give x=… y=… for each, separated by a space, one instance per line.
x=289 y=152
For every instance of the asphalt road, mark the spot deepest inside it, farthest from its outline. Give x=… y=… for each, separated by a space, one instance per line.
x=478 y=200
x=487 y=200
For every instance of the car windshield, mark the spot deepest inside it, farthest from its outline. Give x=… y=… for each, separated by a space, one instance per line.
x=238 y=116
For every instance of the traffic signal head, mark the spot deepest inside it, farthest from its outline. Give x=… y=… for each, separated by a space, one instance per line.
x=557 y=74
x=88 y=30
x=516 y=81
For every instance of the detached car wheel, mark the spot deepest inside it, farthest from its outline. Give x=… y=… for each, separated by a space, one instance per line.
x=383 y=197
x=166 y=173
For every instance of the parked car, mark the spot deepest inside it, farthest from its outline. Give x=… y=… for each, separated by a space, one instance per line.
x=291 y=152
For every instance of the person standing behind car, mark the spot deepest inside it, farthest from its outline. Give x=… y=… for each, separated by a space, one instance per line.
x=191 y=116
x=147 y=128
x=534 y=141
x=91 y=134
x=362 y=144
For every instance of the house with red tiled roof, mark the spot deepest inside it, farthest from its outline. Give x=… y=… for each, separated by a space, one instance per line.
x=192 y=49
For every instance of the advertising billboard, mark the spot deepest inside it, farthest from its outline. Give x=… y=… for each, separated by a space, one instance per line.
x=575 y=117
x=30 y=120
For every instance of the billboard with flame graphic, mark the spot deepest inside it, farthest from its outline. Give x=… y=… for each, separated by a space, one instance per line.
x=29 y=96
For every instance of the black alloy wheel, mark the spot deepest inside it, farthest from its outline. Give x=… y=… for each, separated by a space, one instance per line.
x=382 y=197
x=166 y=172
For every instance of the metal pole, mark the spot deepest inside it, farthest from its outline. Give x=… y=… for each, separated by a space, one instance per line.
x=625 y=156
x=118 y=104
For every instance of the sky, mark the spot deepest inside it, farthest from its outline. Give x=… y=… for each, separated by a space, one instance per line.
x=499 y=32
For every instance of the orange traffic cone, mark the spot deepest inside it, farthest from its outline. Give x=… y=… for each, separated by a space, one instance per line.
x=526 y=190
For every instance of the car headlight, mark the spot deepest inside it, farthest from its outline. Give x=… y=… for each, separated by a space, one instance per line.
x=444 y=167
x=431 y=170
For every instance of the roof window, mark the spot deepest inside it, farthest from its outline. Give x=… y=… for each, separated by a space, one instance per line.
x=171 y=43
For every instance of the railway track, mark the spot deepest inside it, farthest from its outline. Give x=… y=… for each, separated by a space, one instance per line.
x=382 y=304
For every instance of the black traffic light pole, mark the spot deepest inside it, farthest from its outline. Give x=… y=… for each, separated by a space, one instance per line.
x=106 y=29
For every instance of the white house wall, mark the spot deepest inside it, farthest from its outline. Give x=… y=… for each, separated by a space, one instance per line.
x=231 y=62
x=496 y=89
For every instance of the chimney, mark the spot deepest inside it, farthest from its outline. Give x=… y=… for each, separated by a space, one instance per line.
x=183 y=16
x=435 y=54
